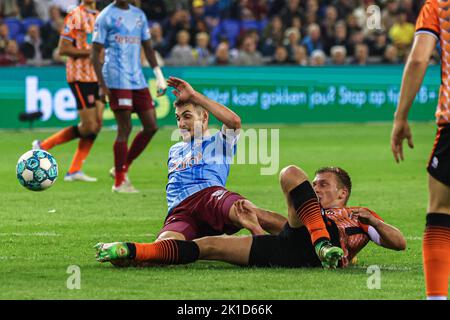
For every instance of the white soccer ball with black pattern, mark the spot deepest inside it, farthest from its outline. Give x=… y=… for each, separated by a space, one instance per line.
x=37 y=170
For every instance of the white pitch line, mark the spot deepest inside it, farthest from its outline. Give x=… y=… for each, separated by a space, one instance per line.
x=33 y=234
x=388 y=268
x=413 y=238
x=122 y=235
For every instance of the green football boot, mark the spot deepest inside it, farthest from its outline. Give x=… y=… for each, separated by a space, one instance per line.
x=328 y=254
x=111 y=251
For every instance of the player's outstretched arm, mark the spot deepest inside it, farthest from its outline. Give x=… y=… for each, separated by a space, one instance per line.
x=413 y=75
x=389 y=236
x=151 y=58
x=184 y=93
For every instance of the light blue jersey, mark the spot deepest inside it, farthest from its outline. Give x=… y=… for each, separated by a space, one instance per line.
x=199 y=164
x=121 y=32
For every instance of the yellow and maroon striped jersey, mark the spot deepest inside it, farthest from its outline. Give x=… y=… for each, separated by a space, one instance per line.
x=353 y=235
x=434 y=19
x=78 y=28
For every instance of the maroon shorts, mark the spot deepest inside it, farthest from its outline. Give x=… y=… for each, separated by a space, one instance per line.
x=205 y=213
x=133 y=100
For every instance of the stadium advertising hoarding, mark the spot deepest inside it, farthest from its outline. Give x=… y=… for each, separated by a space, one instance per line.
x=264 y=95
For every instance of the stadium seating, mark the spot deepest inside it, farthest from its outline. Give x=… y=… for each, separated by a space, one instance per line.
x=27 y=22
x=15 y=27
x=18 y=28
x=227 y=28
x=250 y=25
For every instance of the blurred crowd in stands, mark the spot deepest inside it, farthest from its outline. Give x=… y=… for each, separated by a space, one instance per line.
x=232 y=32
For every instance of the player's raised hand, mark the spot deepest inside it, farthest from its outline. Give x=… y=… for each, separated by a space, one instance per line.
x=247 y=217
x=400 y=132
x=183 y=90
x=364 y=216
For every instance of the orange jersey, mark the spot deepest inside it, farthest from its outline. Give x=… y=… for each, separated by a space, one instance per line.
x=353 y=235
x=78 y=28
x=434 y=19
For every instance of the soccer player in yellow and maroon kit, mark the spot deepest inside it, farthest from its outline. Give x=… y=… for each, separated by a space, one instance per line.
x=433 y=26
x=316 y=210
x=76 y=43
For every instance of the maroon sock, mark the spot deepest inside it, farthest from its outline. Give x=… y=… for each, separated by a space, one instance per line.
x=139 y=143
x=120 y=156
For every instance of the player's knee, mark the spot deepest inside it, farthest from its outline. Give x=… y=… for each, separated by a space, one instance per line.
x=88 y=128
x=439 y=206
x=93 y=127
x=150 y=131
x=124 y=130
x=167 y=235
x=292 y=175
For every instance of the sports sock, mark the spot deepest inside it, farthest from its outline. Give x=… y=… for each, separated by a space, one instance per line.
x=309 y=212
x=137 y=146
x=165 y=251
x=84 y=147
x=62 y=136
x=120 y=157
x=436 y=257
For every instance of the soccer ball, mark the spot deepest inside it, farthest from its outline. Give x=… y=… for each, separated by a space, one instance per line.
x=37 y=170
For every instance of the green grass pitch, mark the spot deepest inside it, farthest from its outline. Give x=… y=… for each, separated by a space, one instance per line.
x=42 y=234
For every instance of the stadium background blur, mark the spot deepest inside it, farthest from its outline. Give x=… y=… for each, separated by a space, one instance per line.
x=227 y=32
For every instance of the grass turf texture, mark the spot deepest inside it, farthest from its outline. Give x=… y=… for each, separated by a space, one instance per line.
x=43 y=233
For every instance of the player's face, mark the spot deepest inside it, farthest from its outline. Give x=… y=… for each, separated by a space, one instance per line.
x=190 y=121
x=327 y=189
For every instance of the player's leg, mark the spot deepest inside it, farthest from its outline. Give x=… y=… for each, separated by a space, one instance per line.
x=143 y=105
x=232 y=249
x=180 y=226
x=143 y=137
x=100 y=107
x=166 y=235
x=89 y=128
x=304 y=210
x=67 y=134
x=124 y=127
x=436 y=240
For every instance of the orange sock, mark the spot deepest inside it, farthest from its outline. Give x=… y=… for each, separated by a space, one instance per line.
x=84 y=147
x=166 y=251
x=60 y=137
x=162 y=251
x=436 y=255
x=310 y=215
x=309 y=212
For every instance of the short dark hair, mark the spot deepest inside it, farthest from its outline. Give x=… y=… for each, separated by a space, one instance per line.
x=343 y=178
x=198 y=108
